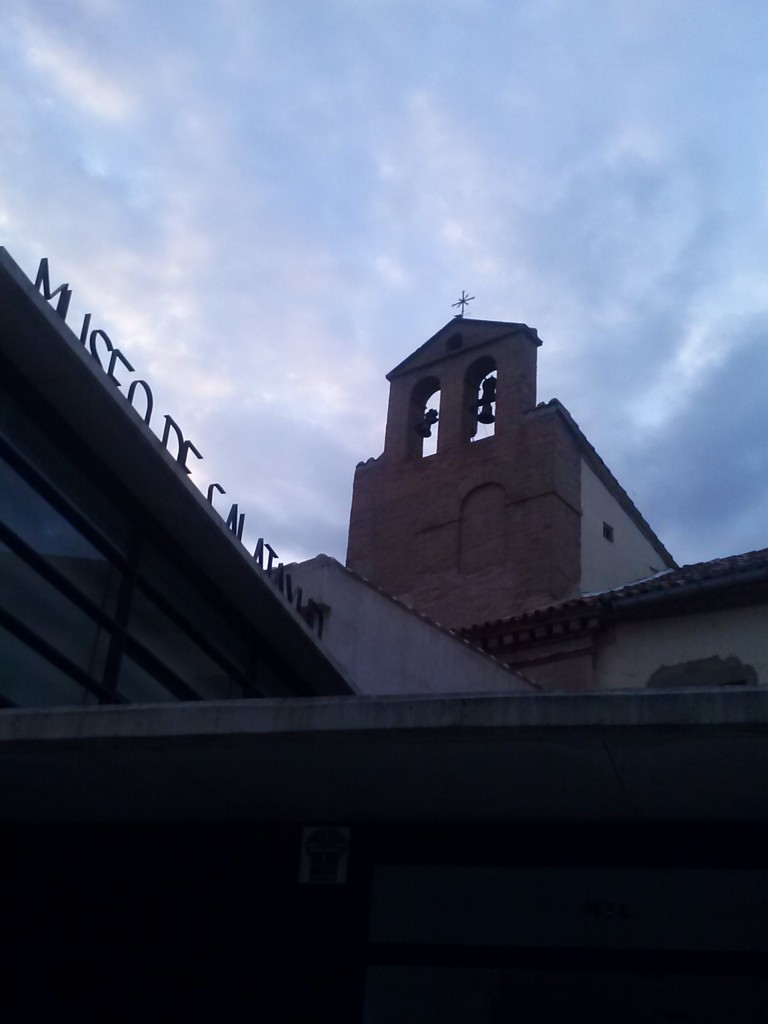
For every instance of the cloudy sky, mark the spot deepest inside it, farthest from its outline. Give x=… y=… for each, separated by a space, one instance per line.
x=269 y=203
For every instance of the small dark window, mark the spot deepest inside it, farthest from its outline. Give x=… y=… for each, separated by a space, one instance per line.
x=608 y=532
x=453 y=343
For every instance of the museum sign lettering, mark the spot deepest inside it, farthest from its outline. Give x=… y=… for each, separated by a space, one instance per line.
x=138 y=394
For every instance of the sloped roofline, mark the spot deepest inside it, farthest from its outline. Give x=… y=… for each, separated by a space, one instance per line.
x=604 y=474
x=506 y=330
x=674 y=588
x=336 y=565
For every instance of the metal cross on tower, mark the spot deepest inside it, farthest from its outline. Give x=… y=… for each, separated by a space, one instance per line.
x=463 y=301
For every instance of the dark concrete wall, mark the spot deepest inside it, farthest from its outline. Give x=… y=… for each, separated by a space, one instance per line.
x=208 y=923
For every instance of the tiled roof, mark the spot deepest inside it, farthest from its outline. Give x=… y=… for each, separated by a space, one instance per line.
x=734 y=566
x=668 y=585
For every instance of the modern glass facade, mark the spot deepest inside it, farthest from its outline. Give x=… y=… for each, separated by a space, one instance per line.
x=96 y=604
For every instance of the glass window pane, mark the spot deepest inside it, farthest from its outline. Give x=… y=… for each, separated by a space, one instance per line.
x=197 y=609
x=50 y=615
x=138 y=686
x=37 y=523
x=575 y=907
x=28 y=680
x=486 y=995
x=85 y=493
x=177 y=650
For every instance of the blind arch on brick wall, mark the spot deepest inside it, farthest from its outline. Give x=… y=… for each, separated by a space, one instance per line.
x=425 y=396
x=482 y=528
x=477 y=372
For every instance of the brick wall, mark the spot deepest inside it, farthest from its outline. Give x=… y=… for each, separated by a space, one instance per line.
x=478 y=530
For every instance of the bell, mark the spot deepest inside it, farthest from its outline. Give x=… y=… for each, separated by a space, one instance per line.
x=424 y=429
x=485 y=415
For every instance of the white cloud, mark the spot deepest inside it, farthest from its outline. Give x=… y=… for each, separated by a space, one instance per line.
x=72 y=72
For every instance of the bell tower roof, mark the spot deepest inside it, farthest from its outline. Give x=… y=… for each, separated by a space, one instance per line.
x=458 y=336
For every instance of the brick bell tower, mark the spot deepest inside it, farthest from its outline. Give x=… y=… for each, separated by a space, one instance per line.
x=487 y=525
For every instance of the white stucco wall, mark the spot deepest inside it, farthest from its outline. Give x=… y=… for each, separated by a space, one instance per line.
x=383 y=647
x=606 y=564
x=630 y=654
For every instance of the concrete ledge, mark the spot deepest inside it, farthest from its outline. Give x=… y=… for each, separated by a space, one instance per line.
x=279 y=716
x=682 y=756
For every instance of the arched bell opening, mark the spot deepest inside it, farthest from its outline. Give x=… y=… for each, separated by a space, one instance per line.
x=424 y=418
x=479 y=415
